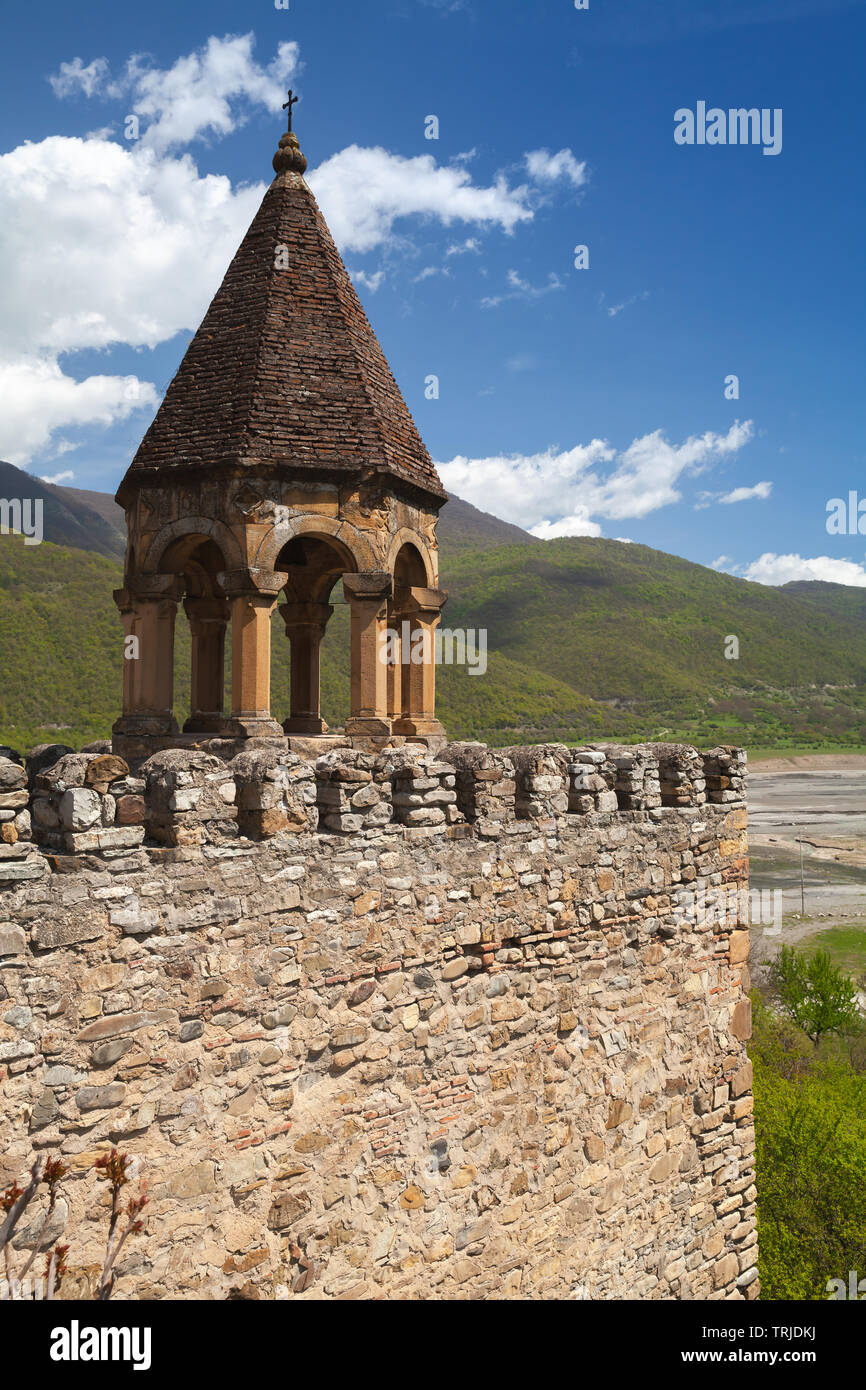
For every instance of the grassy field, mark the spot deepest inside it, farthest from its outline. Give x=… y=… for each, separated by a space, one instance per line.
x=759 y=753
x=845 y=944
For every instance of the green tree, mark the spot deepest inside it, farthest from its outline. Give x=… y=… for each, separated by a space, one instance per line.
x=811 y=1179
x=810 y=1161
x=815 y=994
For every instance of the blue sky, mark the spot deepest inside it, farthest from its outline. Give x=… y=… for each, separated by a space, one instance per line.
x=570 y=401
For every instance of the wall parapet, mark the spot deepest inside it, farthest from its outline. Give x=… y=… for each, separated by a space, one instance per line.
x=90 y=803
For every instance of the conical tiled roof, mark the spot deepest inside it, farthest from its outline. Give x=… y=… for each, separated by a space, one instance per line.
x=285 y=373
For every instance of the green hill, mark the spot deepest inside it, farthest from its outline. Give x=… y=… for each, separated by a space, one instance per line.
x=463 y=528
x=68 y=515
x=839 y=600
x=587 y=638
x=640 y=624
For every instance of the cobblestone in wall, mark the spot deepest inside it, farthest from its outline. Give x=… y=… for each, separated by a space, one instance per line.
x=487 y=1055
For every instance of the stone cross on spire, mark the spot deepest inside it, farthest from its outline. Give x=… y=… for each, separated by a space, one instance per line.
x=292 y=101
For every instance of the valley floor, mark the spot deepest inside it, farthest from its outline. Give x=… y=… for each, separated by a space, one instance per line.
x=821 y=801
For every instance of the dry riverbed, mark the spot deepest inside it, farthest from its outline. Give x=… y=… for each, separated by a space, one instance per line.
x=821 y=802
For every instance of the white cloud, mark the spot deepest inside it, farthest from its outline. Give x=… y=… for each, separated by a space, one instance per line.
x=561 y=492
x=463 y=248
x=738 y=494
x=427 y=273
x=38 y=398
x=721 y=562
x=75 y=79
x=746 y=494
x=576 y=525
x=614 y=309
x=544 y=167
x=363 y=192
x=105 y=245
x=370 y=281
x=522 y=289
x=65 y=477
x=201 y=94
x=782 y=569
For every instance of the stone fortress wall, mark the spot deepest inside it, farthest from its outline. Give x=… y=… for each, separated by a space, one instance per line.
x=405 y=1024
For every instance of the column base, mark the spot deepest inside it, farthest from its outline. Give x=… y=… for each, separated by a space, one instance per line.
x=146 y=725
x=368 y=728
x=304 y=724
x=419 y=728
x=205 y=724
x=251 y=726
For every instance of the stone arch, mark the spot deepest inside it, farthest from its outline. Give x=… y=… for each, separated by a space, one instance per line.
x=195 y=526
x=413 y=613
x=199 y=548
x=346 y=536
x=311 y=554
x=407 y=537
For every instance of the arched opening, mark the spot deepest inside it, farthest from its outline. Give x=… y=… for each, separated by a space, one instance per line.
x=412 y=622
x=313 y=563
x=409 y=568
x=199 y=561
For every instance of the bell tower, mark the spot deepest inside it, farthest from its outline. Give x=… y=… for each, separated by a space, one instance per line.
x=281 y=465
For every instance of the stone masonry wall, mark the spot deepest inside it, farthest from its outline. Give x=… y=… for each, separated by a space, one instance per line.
x=405 y=1026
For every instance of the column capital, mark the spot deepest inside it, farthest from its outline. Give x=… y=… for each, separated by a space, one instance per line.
x=418 y=600
x=306 y=615
x=207 y=606
x=370 y=586
x=204 y=611
x=152 y=587
x=252 y=583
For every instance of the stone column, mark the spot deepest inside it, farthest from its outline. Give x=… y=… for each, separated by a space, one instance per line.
x=394 y=670
x=305 y=628
x=367 y=595
x=207 y=624
x=148 y=605
x=422 y=609
x=131 y=641
x=253 y=596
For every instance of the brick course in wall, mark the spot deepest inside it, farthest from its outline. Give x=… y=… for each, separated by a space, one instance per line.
x=404 y=1025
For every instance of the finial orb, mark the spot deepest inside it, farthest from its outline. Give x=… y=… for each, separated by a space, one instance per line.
x=289 y=158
